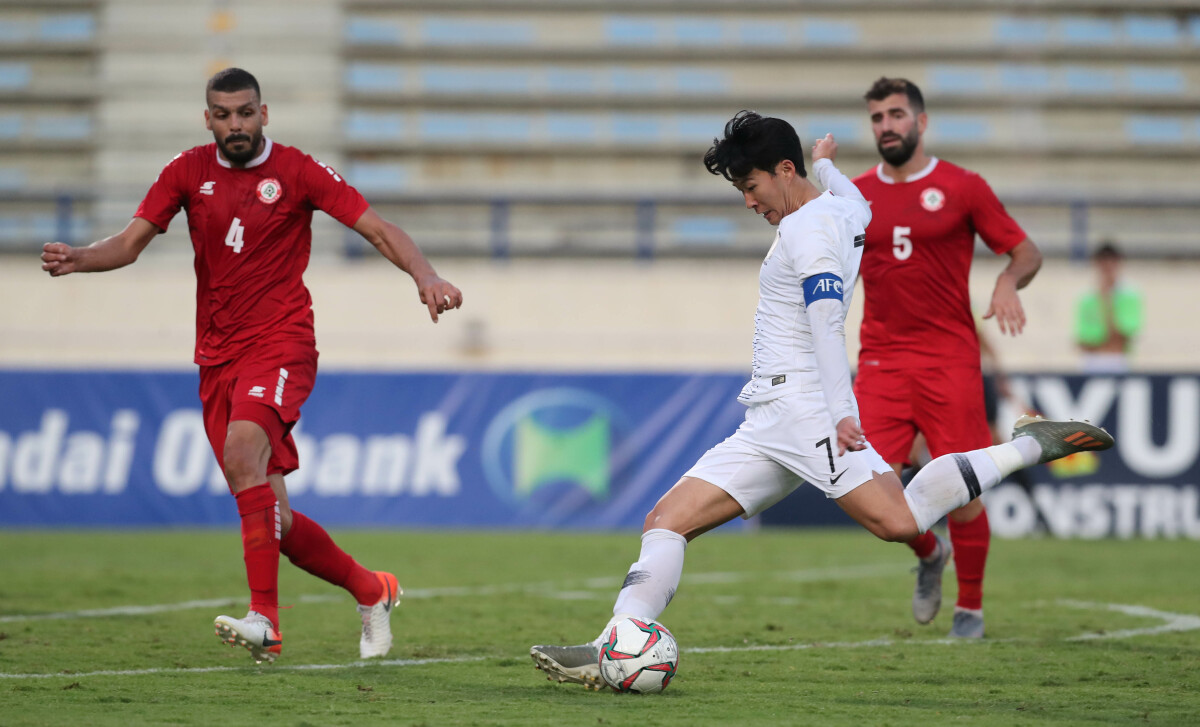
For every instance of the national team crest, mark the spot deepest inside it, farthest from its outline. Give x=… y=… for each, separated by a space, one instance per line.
x=269 y=191
x=933 y=199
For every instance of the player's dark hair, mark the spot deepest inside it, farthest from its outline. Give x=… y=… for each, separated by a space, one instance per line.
x=885 y=87
x=231 y=80
x=754 y=142
x=1107 y=251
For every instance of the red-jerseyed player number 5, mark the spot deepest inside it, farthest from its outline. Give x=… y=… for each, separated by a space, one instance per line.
x=901 y=243
x=233 y=238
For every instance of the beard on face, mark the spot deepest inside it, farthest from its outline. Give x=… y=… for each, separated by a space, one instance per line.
x=902 y=152
x=240 y=157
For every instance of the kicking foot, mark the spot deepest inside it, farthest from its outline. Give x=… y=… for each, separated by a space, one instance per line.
x=255 y=632
x=968 y=623
x=377 y=618
x=1060 y=439
x=927 y=596
x=575 y=664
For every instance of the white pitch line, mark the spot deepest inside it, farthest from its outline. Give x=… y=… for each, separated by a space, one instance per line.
x=544 y=588
x=212 y=669
x=1174 y=621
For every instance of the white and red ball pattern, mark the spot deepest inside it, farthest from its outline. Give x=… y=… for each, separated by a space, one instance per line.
x=638 y=656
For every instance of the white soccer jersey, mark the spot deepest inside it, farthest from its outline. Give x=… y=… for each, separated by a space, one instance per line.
x=818 y=247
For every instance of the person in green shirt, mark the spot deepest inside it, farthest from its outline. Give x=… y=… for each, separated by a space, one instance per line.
x=1108 y=317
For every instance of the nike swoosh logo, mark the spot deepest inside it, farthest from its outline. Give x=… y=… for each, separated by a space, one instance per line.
x=833 y=480
x=268 y=641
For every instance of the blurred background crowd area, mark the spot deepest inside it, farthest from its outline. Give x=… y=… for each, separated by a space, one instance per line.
x=546 y=155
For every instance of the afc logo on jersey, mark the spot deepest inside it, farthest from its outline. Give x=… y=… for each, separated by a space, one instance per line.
x=269 y=191
x=933 y=199
x=829 y=285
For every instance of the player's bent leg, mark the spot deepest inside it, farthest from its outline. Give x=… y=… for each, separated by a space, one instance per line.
x=970 y=536
x=879 y=506
x=690 y=508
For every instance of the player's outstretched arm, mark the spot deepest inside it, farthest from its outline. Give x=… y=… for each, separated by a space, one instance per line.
x=1026 y=260
x=117 y=251
x=394 y=244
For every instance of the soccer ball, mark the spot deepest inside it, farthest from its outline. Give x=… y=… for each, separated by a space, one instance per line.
x=638 y=656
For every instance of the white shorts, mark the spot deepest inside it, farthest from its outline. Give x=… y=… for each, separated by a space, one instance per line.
x=781 y=444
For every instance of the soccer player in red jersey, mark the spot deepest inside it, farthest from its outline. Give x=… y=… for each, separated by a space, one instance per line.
x=249 y=205
x=919 y=367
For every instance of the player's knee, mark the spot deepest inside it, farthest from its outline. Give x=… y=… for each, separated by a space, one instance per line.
x=894 y=528
x=242 y=466
x=662 y=518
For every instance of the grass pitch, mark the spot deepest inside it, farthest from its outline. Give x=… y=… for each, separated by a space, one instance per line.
x=776 y=628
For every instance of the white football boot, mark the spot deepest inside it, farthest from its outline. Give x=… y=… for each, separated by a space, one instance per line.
x=573 y=664
x=927 y=595
x=377 y=619
x=255 y=632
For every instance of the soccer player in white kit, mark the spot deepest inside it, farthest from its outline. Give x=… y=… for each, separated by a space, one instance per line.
x=801 y=415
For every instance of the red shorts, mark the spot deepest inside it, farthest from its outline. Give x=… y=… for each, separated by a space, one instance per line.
x=944 y=404
x=266 y=387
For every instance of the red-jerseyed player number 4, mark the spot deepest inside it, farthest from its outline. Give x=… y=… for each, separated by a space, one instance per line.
x=233 y=238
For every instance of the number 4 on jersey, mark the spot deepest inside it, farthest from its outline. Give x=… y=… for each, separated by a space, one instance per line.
x=233 y=238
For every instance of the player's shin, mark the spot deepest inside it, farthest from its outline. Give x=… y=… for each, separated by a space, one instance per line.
x=652 y=580
x=259 y=511
x=951 y=481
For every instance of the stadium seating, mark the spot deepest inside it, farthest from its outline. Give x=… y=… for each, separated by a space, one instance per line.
x=530 y=115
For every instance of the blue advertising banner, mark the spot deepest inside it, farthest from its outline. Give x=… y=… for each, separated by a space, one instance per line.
x=588 y=451
x=1148 y=485
x=457 y=450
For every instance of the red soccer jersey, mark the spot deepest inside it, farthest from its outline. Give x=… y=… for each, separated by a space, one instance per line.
x=916 y=262
x=252 y=232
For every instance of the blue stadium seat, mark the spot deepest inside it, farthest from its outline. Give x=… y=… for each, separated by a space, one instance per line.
x=64 y=127
x=962 y=128
x=11 y=126
x=754 y=33
x=459 y=80
x=13 y=178
x=572 y=127
x=709 y=231
x=959 y=79
x=374 y=77
x=829 y=33
x=623 y=30
x=1026 y=79
x=372 y=31
x=633 y=81
x=1146 y=129
x=462 y=32
x=366 y=125
x=1156 y=30
x=700 y=129
x=1193 y=24
x=701 y=81
x=67 y=28
x=698 y=31
x=571 y=81
x=843 y=127
x=637 y=128
x=1081 y=30
x=15 y=75
x=1166 y=81
x=1084 y=80
x=379 y=177
x=1021 y=31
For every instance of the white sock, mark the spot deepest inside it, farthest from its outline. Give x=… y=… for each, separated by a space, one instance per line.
x=652 y=580
x=952 y=480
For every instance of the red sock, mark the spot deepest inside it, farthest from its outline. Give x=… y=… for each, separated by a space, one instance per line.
x=970 y=541
x=260 y=547
x=309 y=547
x=924 y=544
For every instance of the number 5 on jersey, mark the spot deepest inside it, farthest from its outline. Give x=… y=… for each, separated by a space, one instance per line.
x=901 y=242
x=233 y=238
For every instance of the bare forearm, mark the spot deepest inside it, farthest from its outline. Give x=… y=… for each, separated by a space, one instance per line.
x=1024 y=264
x=108 y=254
x=396 y=245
